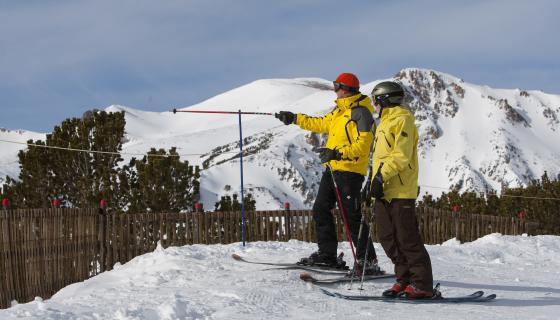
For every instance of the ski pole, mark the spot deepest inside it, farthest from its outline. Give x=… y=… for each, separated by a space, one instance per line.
x=370 y=239
x=223 y=112
x=367 y=249
x=357 y=247
x=339 y=199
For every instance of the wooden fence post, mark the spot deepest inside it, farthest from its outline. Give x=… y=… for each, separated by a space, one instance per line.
x=102 y=239
x=288 y=220
x=8 y=285
x=455 y=215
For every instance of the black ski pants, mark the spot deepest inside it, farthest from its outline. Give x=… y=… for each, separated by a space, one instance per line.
x=401 y=240
x=350 y=185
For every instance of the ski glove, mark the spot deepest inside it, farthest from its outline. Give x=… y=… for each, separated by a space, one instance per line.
x=326 y=155
x=286 y=116
x=377 y=186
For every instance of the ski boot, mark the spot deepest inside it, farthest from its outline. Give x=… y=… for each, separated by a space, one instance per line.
x=396 y=290
x=369 y=268
x=320 y=259
x=412 y=292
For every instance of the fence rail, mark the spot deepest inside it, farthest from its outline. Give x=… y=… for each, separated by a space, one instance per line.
x=44 y=250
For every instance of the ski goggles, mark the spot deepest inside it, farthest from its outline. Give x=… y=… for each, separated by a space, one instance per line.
x=338 y=86
x=377 y=99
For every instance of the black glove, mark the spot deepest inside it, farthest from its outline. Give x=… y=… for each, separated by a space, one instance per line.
x=286 y=116
x=326 y=155
x=377 y=186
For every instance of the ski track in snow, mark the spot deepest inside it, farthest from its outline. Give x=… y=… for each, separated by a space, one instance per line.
x=204 y=282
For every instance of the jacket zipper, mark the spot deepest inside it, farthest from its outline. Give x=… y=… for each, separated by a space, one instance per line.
x=384 y=136
x=399 y=175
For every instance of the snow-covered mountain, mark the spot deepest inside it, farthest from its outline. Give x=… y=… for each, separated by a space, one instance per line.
x=472 y=137
x=478 y=138
x=11 y=142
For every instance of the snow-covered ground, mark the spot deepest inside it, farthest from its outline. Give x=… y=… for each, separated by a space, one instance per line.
x=204 y=282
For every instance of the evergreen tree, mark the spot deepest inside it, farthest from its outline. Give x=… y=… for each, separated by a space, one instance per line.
x=427 y=201
x=492 y=204
x=228 y=203
x=128 y=198
x=538 y=202
x=162 y=183
x=224 y=204
x=83 y=178
x=35 y=178
x=77 y=178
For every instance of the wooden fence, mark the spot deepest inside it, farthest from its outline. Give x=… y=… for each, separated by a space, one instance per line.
x=44 y=250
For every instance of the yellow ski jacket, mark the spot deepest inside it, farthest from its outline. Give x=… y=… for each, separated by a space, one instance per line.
x=349 y=131
x=395 y=151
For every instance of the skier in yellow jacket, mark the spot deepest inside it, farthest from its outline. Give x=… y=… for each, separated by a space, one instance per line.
x=395 y=188
x=347 y=150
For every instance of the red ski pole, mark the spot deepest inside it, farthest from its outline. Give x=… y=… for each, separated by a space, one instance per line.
x=339 y=199
x=224 y=112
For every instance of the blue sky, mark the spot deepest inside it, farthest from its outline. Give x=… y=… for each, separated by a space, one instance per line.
x=61 y=58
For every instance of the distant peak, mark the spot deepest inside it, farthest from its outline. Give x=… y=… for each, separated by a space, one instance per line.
x=117 y=108
x=416 y=73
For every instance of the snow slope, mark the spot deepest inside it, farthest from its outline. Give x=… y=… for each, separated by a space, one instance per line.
x=472 y=137
x=204 y=282
x=9 y=165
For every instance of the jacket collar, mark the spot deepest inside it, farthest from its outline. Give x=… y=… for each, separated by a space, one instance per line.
x=349 y=102
x=394 y=111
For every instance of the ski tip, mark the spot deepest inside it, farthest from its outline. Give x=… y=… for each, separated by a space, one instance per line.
x=236 y=256
x=328 y=293
x=306 y=277
x=490 y=297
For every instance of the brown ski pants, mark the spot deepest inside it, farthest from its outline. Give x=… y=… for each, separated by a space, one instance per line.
x=400 y=238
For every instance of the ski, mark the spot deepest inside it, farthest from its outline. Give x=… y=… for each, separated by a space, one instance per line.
x=341 y=279
x=314 y=269
x=293 y=266
x=477 y=297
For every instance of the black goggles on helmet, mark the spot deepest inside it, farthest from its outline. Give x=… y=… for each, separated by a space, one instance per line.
x=385 y=97
x=377 y=99
x=338 y=86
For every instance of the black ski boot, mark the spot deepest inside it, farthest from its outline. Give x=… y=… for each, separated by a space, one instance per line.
x=370 y=268
x=320 y=259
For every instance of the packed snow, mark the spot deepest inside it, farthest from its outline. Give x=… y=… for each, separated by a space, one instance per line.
x=204 y=282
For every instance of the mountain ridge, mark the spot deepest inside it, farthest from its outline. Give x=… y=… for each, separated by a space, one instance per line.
x=472 y=137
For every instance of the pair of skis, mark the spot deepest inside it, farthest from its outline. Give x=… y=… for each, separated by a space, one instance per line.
x=322 y=269
x=337 y=275
x=307 y=277
x=475 y=297
x=342 y=276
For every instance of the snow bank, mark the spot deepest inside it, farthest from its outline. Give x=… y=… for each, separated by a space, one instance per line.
x=204 y=282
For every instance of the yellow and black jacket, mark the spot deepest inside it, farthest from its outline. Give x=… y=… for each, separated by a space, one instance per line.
x=395 y=150
x=349 y=129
